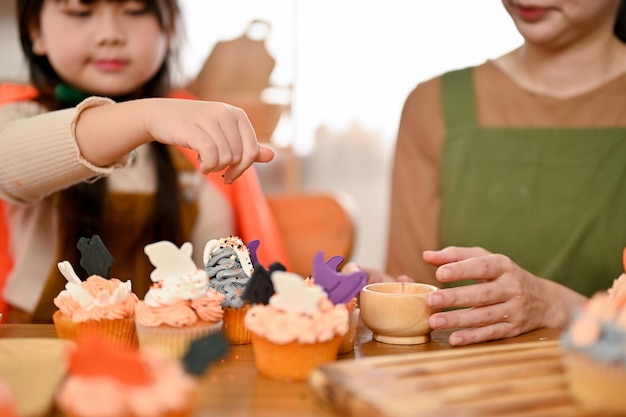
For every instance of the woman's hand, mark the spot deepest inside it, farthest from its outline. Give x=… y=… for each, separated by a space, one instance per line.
x=221 y=134
x=373 y=275
x=506 y=300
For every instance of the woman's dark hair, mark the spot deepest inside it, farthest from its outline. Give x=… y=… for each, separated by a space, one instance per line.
x=81 y=204
x=620 y=21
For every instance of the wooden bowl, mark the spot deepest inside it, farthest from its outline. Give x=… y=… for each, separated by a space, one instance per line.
x=396 y=312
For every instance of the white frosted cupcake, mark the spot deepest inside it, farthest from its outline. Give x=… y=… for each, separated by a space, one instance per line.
x=179 y=307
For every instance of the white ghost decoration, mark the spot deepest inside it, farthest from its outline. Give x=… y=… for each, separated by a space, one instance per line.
x=293 y=295
x=175 y=271
x=170 y=261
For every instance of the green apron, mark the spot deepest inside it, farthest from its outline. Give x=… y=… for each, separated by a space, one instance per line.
x=552 y=199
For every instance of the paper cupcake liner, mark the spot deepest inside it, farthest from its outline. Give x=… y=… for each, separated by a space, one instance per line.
x=596 y=386
x=235 y=331
x=173 y=342
x=347 y=342
x=292 y=361
x=120 y=332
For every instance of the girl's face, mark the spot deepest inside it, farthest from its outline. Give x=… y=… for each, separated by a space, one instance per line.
x=557 y=23
x=107 y=48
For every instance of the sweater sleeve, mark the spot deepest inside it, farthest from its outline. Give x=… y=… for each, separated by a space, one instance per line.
x=39 y=154
x=415 y=195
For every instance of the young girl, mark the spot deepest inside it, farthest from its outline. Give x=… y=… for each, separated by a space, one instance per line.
x=96 y=152
x=515 y=170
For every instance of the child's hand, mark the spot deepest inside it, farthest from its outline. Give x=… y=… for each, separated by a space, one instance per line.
x=221 y=134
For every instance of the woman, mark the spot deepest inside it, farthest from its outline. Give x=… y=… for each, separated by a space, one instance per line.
x=515 y=168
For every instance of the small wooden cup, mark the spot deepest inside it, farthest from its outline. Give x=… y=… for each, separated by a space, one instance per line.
x=396 y=312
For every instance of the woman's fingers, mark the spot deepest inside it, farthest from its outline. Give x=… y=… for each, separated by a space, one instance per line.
x=485 y=267
x=404 y=278
x=453 y=254
x=476 y=295
x=350 y=268
x=479 y=324
x=494 y=331
x=472 y=317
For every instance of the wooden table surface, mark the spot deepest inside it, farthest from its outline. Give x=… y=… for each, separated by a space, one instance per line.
x=232 y=388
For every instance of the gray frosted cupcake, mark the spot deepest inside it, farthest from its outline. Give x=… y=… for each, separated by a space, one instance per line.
x=228 y=263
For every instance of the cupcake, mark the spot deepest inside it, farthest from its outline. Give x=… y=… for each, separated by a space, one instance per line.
x=296 y=329
x=343 y=289
x=229 y=266
x=108 y=381
x=179 y=307
x=594 y=347
x=96 y=304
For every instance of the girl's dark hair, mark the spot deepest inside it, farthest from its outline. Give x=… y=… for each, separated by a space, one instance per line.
x=81 y=205
x=43 y=76
x=620 y=21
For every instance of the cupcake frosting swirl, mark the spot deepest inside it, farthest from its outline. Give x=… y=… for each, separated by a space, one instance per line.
x=97 y=298
x=180 y=295
x=179 y=312
x=228 y=265
x=281 y=327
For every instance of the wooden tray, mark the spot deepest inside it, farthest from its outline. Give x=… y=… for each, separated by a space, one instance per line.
x=524 y=379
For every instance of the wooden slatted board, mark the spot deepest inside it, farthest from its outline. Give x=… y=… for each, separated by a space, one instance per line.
x=524 y=379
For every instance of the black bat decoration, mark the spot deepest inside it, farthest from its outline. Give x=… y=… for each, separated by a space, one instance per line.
x=95 y=257
x=260 y=288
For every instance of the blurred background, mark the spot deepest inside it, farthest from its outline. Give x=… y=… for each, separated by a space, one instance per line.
x=340 y=73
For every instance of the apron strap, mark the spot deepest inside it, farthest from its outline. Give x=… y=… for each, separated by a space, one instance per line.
x=458 y=99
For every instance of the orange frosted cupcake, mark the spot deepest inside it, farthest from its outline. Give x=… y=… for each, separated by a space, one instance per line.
x=297 y=330
x=106 y=381
x=97 y=304
x=179 y=307
x=227 y=261
x=595 y=351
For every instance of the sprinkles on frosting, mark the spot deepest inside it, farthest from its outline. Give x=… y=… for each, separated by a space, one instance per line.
x=236 y=244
